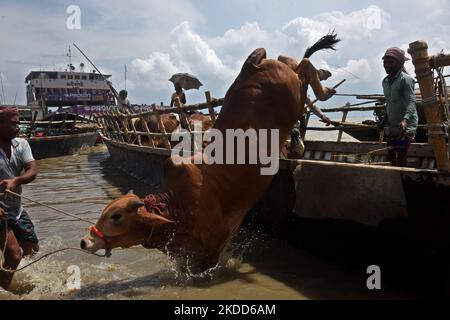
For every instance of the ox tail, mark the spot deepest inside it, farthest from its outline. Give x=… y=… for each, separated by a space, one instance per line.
x=326 y=42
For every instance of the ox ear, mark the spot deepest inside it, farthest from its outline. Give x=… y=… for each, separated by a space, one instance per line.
x=150 y=218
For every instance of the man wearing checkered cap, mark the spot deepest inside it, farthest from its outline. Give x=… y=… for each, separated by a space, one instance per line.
x=400 y=120
x=17 y=167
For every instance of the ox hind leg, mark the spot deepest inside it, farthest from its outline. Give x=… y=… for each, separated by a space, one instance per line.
x=311 y=76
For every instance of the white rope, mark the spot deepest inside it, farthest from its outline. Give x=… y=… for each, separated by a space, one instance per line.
x=50 y=207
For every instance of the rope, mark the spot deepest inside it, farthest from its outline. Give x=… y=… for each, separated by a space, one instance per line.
x=50 y=207
x=40 y=258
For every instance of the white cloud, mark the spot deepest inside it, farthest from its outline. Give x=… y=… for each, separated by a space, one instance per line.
x=356 y=71
x=188 y=52
x=155 y=70
x=356 y=25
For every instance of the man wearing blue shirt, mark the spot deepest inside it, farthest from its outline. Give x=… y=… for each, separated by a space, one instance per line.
x=400 y=120
x=17 y=167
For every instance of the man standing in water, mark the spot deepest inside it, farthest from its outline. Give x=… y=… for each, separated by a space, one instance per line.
x=17 y=167
x=400 y=120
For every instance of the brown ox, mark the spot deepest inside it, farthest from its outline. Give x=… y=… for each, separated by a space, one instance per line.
x=170 y=122
x=201 y=206
x=205 y=121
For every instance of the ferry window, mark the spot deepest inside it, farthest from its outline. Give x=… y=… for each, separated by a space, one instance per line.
x=63 y=76
x=94 y=91
x=69 y=77
x=83 y=77
x=77 y=77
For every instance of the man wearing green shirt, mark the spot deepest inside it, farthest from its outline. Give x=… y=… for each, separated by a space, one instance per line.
x=400 y=120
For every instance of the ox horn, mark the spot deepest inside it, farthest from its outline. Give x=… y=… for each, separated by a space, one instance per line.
x=135 y=204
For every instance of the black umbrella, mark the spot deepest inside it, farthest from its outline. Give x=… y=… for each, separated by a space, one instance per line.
x=186 y=81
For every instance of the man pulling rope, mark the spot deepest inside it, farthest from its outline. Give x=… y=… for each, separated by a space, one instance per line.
x=17 y=167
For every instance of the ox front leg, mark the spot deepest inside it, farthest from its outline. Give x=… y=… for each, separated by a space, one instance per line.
x=312 y=77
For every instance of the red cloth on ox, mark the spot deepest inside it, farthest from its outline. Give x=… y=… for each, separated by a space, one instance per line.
x=152 y=204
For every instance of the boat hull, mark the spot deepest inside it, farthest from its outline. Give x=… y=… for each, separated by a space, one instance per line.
x=57 y=146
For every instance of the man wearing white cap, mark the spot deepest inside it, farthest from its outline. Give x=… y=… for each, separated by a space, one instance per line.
x=400 y=120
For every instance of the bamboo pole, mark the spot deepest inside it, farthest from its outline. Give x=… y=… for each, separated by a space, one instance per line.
x=351 y=109
x=195 y=107
x=144 y=123
x=117 y=127
x=440 y=60
x=430 y=103
x=135 y=135
x=210 y=107
x=344 y=118
x=334 y=88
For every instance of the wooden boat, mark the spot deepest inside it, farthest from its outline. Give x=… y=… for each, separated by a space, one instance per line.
x=62 y=134
x=347 y=182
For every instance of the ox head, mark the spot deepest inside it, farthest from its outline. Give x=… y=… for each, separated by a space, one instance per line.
x=125 y=222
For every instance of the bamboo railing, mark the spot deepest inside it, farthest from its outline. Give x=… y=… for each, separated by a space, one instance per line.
x=121 y=127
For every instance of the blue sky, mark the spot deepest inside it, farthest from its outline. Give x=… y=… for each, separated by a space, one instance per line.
x=211 y=39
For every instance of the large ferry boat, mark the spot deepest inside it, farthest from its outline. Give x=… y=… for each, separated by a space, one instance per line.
x=67 y=88
x=49 y=120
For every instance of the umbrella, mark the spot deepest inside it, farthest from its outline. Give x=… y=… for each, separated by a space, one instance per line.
x=186 y=81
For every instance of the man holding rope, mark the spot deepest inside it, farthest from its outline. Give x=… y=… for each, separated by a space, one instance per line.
x=400 y=120
x=17 y=167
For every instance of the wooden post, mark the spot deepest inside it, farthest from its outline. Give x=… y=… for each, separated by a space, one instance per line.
x=124 y=122
x=344 y=118
x=144 y=123
x=183 y=118
x=210 y=107
x=102 y=128
x=430 y=103
x=136 y=136
x=161 y=126
x=120 y=133
x=101 y=119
